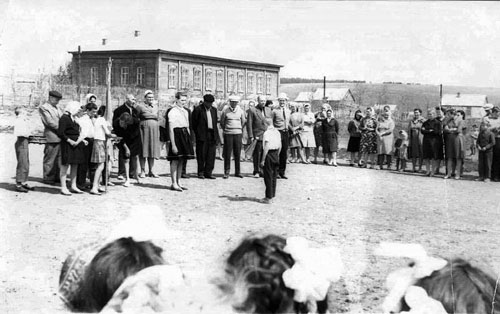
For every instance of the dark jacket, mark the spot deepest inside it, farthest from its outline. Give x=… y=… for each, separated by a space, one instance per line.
x=200 y=124
x=257 y=123
x=116 y=118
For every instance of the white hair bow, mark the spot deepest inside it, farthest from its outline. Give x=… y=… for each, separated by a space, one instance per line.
x=420 y=303
x=314 y=269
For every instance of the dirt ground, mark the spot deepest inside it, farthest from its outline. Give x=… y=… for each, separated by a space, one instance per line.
x=351 y=208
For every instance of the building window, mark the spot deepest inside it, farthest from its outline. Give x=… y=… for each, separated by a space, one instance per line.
x=209 y=80
x=196 y=79
x=240 y=82
x=124 y=76
x=268 y=84
x=259 y=84
x=230 y=82
x=172 y=76
x=185 y=78
x=220 y=81
x=140 y=76
x=250 y=84
x=93 y=76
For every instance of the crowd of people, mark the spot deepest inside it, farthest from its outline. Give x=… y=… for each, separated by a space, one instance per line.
x=78 y=140
x=262 y=274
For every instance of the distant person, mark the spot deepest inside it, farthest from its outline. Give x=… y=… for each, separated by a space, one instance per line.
x=452 y=127
x=232 y=122
x=181 y=147
x=129 y=106
x=320 y=116
x=72 y=143
x=401 y=151
x=473 y=139
x=329 y=134
x=368 y=144
x=207 y=136
x=307 y=134
x=416 y=137
x=131 y=146
x=150 y=133
x=432 y=142
x=259 y=119
x=281 y=121
x=354 y=138
x=188 y=106
x=295 y=129
x=485 y=144
x=22 y=131
x=441 y=139
x=50 y=114
x=245 y=139
x=385 y=139
x=271 y=140
x=86 y=122
x=494 y=122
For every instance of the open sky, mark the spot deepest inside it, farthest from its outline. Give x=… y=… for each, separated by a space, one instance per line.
x=454 y=43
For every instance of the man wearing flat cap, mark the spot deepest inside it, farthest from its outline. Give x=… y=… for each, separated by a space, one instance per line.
x=281 y=121
x=204 y=120
x=50 y=114
x=232 y=122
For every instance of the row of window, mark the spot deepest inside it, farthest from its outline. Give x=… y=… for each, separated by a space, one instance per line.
x=235 y=83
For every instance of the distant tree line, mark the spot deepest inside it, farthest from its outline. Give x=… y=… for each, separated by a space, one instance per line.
x=290 y=80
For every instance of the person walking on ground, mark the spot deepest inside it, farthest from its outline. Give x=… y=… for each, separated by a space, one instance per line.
x=330 y=131
x=416 y=137
x=307 y=134
x=354 y=138
x=259 y=119
x=207 y=136
x=129 y=107
x=232 y=121
x=385 y=139
x=72 y=143
x=270 y=161
x=432 y=142
x=281 y=122
x=150 y=133
x=180 y=148
x=22 y=131
x=50 y=114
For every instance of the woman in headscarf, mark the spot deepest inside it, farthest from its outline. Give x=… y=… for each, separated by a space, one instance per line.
x=354 y=137
x=330 y=130
x=432 y=143
x=150 y=133
x=368 y=145
x=385 y=139
x=452 y=127
x=416 y=137
x=296 y=127
x=72 y=144
x=320 y=116
x=307 y=135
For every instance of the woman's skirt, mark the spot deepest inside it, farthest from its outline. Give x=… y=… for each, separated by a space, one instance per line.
x=330 y=143
x=72 y=155
x=353 y=144
x=98 y=152
x=150 y=136
x=184 y=146
x=308 y=139
x=368 y=144
x=452 y=146
x=295 y=141
x=432 y=147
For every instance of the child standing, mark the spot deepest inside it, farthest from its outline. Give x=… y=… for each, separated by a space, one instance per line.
x=271 y=141
x=22 y=131
x=485 y=144
x=473 y=135
x=401 y=151
x=101 y=131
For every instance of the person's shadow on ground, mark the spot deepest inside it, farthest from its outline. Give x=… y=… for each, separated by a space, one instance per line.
x=38 y=189
x=241 y=198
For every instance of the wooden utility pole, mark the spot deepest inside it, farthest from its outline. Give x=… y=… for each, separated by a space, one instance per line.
x=441 y=96
x=324 y=88
x=109 y=111
x=78 y=89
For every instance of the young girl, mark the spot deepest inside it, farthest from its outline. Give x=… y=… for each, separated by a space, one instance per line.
x=458 y=286
x=273 y=275
x=401 y=151
x=101 y=131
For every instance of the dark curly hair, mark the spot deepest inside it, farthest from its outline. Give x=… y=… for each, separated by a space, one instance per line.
x=462 y=288
x=110 y=267
x=254 y=278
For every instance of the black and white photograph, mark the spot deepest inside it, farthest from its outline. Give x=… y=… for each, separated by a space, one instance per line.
x=239 y=156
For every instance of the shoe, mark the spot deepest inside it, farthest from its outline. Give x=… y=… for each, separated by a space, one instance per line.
x=325 y=162
x=479 y=179
x=201 y=177
x=335 y=164
x=111 y=184
x=27 y=187
x=120 y=177
x=210 y=177
x=153 y=175
x=486 y=180
x=457 y=177
x=446 y=176
x=239 y=175
x=21 y=189
x=256 y=175
x=225 y=176
x=94 y=193
x=66 y=193
x=101 y=189
x=178 y=189
x=142 y=175
x=283 y=177
x=183 y=188
x=351 y=165
x=126 y=184
x=76 y=191
x=184 y=176
x=266 y=200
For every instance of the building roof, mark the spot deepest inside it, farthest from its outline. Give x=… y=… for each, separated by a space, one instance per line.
x=464 y=100
x=304 y=97
x=116 y=50
x=333 y=94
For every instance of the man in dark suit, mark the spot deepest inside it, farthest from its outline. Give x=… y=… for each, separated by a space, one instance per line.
x=130 y=107
x=259 y=118
x=204 y=121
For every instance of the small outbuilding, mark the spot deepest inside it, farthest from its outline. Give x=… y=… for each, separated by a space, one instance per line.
x=472 y=104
